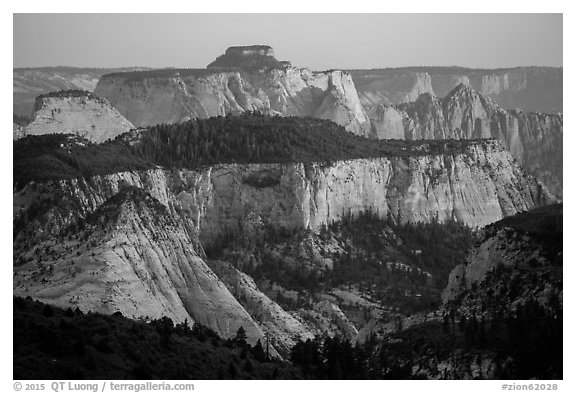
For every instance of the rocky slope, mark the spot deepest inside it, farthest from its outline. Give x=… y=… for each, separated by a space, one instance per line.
x=534 y=139
x=29 y=83
x=526 y=250
x=502 y=310
x=283 y=328
x=529 y=88
x=132 y=255
x=231 y=87
x=76 y=112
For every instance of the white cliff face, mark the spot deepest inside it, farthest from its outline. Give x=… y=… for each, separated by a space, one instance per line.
x=473 y=110
x=138 y=259
x=88 y=116
x=150 y=98
x=467 y=114
x=534 y=139
x=477 y=186
x=387 y=122
x=529 y=88
x=377 y=88
x=425 y=119
x=145 y=260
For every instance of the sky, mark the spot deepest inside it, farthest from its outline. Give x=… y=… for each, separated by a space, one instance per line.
x=316 y=41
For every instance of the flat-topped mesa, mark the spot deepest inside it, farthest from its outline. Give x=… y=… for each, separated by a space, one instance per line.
x=76 y=112
x=261 y=50
x=241 y=80
x=248 y=57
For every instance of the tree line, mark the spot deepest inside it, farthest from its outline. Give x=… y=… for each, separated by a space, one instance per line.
x=249 y=138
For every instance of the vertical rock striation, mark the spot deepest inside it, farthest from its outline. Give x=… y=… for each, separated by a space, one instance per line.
x=243 y=79
x=133 y=256
x=534 y=139
x=476 y=186
x=529 y=88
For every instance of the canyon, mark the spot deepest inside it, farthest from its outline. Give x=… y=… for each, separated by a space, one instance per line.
x=148 y=210
x=134 y=241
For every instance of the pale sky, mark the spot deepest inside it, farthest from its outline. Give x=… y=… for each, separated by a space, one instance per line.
x=316 y=41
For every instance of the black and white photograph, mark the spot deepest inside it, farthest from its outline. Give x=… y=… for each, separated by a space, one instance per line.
x=286 y=196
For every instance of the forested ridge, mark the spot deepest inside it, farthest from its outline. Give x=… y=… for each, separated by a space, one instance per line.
x=50 y=342
x=59 y=156
x=249 y=138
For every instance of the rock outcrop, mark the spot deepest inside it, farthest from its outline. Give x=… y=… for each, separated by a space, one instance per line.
x=76 y=112
x=241 y=80
x=254 y=57
x=480 y=185
x=133 y=256
x=375 y=87
x=533 y=138
x=133 y=241
x=529 y=88
x=518 y=260
x=283 y=329
x=387 y=122
x=507 y=299
x=477 y=187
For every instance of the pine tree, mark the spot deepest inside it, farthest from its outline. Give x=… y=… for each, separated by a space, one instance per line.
x=258 y=351
x=240 y=336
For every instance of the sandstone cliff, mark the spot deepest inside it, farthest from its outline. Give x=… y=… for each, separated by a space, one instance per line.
x=529 y=88
x=477 y=187
x=534 y=139
x=76 y=112
x=168 y=96
x=157 y=241
x=132 y=255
